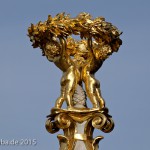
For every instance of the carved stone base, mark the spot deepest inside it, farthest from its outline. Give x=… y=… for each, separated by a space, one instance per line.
x=78 y=125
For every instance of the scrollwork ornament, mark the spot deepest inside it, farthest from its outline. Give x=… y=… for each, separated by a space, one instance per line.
x=51 y=126
x=109 y=125
x=63 y=121
x=99 y=121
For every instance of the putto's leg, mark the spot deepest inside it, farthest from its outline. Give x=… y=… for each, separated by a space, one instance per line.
x=70 y=85
x=70 y=88
x=60 y=100
x=90 y=85
x=99 y=98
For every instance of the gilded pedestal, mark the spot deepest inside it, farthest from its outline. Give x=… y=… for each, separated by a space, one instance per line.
x=78 y=126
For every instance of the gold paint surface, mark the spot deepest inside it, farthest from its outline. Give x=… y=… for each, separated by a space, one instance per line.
x=78 y=136
x=78 y=60
x=68 y=120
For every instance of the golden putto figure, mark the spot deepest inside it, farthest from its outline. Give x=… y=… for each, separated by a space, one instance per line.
x=79 y=60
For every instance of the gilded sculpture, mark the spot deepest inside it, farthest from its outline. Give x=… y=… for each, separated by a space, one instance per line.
x=79 y=60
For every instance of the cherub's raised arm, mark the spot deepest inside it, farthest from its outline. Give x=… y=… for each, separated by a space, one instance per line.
x=64 y=61
x=90 y=42
x=63 y=46
x=93 y=64
x=90 y=47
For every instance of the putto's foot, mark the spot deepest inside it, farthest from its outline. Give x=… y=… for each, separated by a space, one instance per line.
x=96 y=108
x=102 y=106
x=58 y=107
x=70 y=108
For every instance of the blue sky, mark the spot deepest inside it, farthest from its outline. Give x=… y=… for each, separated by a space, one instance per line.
x=29 y=84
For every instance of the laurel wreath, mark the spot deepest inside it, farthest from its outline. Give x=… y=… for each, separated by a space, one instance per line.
x=62 y=25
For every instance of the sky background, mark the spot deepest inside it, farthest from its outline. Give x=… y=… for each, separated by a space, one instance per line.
x=29 y=84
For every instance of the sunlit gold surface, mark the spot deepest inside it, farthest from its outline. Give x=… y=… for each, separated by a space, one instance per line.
x=80 y=137
x=78 y=60
x=66 y=120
